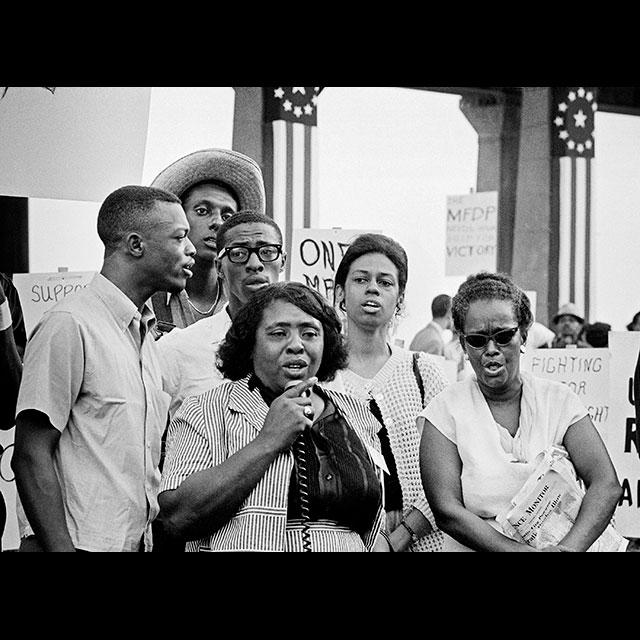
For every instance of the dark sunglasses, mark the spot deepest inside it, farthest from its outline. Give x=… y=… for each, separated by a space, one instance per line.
x=241 y=255
x=479 y=340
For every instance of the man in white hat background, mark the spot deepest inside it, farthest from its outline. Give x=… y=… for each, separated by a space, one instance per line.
x=568 y=324
x=213 y=184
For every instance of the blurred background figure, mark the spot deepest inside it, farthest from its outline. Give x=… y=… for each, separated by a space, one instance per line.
x=431 y=338
x=634 y=325
x=597 y=334
x=568 y=324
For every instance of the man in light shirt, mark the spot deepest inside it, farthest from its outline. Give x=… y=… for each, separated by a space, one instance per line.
x=430 y=339
x=91 y=409
x=250 y=257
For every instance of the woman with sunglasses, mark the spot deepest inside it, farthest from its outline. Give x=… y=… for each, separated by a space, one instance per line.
x=481 y=436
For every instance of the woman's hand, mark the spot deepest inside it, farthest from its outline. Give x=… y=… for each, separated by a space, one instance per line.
x=286 y=418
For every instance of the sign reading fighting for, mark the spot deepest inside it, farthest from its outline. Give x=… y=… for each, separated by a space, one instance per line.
x=40 y=291
x=584 y=371
x=316 y=254
x=472 y=233
x=623 y=432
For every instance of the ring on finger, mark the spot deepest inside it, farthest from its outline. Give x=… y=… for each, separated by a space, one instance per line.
x=308 y=411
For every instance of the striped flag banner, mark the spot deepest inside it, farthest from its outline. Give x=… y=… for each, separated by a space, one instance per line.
x=573 y=116
x=291 y=158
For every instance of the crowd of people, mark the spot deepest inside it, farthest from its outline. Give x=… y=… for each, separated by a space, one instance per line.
x=189 y=400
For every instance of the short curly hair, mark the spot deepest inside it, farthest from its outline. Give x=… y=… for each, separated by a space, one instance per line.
x=374 y=243
x=491 y=286
x=235 y=354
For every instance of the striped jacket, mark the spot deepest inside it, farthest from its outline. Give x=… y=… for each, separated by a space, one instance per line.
x=211 y=427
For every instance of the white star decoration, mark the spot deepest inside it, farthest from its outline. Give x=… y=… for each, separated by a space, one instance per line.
x=577 y=108
x=580 y=118
x=300 y=102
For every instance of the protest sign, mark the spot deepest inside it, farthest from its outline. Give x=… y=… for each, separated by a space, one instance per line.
x=10 y=537
x=72 y=143
x=584 y=371
x=316 y=254
x=623 y=436
x=40 y=291
x=472 y=233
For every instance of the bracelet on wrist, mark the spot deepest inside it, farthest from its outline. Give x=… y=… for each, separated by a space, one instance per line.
x=412 y=533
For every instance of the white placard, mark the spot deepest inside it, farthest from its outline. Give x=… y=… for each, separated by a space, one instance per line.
x=40 y=291
x=472 y=233
x=623 y=441
x=584 y=371
x=75 y=143
x=316 y=254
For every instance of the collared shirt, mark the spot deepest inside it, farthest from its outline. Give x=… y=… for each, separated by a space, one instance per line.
x=173 y=310
x=188 y=358
x=91 y=367
x=430 y=339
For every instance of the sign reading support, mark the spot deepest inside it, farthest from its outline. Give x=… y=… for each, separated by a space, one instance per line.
x=472 y=233
x=316 y=254
x=40 y=291
x=623 y=435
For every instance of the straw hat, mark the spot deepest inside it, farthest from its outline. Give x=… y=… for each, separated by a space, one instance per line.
x=569 y=309
x=240 y=172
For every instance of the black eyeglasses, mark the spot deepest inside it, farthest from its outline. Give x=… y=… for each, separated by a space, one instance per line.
x=241 y=255
x=479 y=340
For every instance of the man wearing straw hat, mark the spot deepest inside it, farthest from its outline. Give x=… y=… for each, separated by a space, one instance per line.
x=213 y=184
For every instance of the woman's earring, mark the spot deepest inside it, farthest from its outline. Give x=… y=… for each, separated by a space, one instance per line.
x=523 y=349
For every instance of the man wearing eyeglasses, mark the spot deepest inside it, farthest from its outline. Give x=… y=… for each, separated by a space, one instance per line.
x=250 y=257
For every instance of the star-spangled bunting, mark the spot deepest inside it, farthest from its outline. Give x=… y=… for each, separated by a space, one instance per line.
x=294 y=104
x=573 y=121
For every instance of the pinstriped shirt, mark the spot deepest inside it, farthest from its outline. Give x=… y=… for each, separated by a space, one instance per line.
x=211 y=427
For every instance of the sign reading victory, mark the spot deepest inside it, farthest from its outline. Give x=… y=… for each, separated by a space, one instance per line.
x=472 y=233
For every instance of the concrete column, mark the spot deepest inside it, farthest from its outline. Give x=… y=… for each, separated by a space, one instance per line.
x=535 y=246
x=496 y=118
x=248 y=123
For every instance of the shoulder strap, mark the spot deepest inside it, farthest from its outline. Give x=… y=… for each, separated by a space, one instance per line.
x=416 y=372
x=162 y=311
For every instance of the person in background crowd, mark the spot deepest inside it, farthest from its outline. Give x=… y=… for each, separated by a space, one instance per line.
x=597 y=334
x=397 y=384
x=250 y=258
x=634 y=325
x=91 y=410
x=12 y=343
x=481 y=436
x=269 y=460
x=568 y=324
x=213 y=184
x=453 y=351
x=430 y=338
